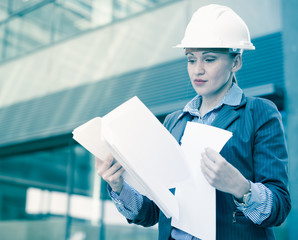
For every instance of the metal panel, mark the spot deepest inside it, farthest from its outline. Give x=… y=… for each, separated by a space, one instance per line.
x=265 y=64
x=291 y=73
x=162 y=88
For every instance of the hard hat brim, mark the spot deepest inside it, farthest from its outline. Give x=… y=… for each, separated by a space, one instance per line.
x=247 y=47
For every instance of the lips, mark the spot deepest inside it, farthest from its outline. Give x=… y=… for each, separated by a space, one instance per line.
x=199 y=82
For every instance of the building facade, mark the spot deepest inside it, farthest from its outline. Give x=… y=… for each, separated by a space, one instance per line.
x=61 y=69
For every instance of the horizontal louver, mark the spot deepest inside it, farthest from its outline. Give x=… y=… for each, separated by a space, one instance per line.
x=159 y=87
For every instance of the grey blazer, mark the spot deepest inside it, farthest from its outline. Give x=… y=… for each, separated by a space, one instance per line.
x=258 y=150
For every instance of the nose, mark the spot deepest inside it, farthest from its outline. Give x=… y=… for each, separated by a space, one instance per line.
x=199 y=68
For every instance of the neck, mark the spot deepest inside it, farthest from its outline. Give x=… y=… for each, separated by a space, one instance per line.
x=210 y=101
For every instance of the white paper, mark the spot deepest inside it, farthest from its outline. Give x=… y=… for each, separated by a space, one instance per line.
x=89 y=135
x=156 y=191
x=196 y=138
x=196 y=197
x=155 y=162
x=146 y=144
x=197 y=210
x=152 y=158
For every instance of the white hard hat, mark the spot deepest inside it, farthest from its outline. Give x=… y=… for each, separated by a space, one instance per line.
x=216 y=26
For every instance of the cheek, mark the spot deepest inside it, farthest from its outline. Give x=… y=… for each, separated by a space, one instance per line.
x=221 y=73
x=189 y=70
x=213 y=73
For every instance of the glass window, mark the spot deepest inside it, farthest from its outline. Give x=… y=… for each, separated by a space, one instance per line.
x=55 y=194
x=39 y=23
x=36 y=28
x=47 y=169
x=12 y=201
x=52 y=169
x=3 y=10
x=101 y=14
x=2 y=28
x=66 y=23
x=20 y=5
x=121 y=9
x=12 y=38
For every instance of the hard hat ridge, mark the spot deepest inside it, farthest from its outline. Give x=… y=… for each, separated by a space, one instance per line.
x=216 y=26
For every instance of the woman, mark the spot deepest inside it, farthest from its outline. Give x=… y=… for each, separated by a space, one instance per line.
x=250 y=172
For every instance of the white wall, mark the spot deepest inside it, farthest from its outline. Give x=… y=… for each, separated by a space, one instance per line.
x=122 y=47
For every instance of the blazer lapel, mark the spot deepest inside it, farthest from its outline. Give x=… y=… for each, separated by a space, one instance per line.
x=227 y=115
x=178 y=127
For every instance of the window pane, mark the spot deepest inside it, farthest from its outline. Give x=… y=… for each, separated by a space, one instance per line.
x=36 y=28
x=101 y=14
x=2 y=28
x=42 y=169
x=3 y=10
x=19 y=5
x=66 y=23
x=12 y=38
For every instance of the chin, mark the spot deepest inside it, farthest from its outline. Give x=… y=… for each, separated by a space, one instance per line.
x=200 y=91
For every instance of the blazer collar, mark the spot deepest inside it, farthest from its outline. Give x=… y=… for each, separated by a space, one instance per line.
x=228 y=114
x=225 y=117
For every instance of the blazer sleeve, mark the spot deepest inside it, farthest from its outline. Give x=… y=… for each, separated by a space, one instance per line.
x=271 y=158
x=148 y=215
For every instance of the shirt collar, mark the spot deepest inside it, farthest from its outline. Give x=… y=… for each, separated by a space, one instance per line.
x=232 y=98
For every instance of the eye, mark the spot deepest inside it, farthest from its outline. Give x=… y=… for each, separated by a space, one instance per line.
x=210 y=59
x=191 y=60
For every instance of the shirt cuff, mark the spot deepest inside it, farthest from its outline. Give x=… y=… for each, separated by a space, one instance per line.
x=255 y=198
x=124 y=194
x=128 y=202
x=259 y=205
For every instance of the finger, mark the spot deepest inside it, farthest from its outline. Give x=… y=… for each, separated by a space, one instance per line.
x=208 y=163
x=98 y=162
x=207 y=166
x=115 y=180
x=110 y=158
x=213 y=155
x=105 y=165
x=117 y=174
x=207 y=172
x=112 y=170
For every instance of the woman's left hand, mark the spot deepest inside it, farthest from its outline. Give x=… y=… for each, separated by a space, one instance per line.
x=222 y=175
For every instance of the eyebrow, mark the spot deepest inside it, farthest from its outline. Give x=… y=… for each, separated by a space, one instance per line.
x=203 y=53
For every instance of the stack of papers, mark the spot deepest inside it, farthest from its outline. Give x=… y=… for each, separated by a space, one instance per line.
x=154 y=162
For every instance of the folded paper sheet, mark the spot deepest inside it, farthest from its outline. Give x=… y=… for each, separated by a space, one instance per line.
x=155 y=162
x=151 y=156
x=196 y=197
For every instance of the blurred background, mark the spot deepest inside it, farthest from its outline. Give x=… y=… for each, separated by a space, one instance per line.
x=63 y=62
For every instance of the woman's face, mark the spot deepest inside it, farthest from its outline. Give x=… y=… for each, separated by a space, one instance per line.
x=210 y=70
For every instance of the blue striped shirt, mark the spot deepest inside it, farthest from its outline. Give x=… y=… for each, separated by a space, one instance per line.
x=129 y=201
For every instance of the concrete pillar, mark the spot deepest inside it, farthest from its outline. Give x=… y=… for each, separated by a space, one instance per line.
x=290 y=44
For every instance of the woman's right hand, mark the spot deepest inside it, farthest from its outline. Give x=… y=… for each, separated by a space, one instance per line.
x=111 y=172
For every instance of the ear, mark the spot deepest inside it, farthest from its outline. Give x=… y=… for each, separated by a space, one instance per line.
x=237 y=63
